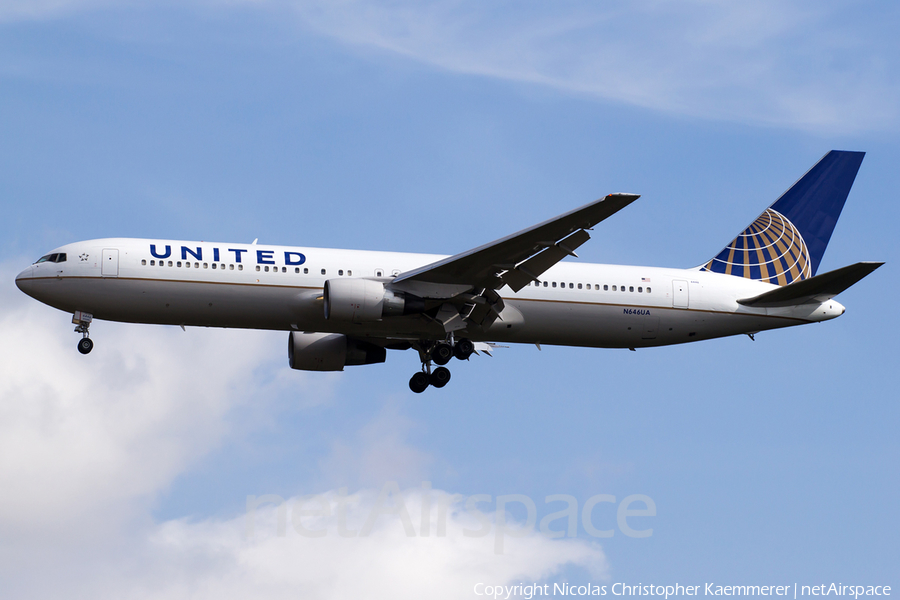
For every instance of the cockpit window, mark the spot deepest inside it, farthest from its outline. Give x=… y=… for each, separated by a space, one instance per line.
x=54 y=258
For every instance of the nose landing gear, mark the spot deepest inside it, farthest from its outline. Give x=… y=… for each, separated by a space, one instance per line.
x=82 y=322
x=440 y=354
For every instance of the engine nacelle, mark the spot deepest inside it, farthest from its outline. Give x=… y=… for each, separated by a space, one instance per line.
x=363 y=300
x=330 y=352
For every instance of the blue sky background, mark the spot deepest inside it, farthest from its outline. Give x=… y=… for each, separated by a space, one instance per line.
x=436 y=127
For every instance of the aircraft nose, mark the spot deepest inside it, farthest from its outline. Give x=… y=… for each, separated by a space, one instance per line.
x=24 y=281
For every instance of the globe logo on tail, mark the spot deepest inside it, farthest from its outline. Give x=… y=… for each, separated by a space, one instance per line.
x=771 y=249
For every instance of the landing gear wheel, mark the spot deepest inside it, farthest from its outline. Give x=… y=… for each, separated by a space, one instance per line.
x=442 y=353
x=418 y=383
x=440 y=377
x=85 y=345
x=463 y=349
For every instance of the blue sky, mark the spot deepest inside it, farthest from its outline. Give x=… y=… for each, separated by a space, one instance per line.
x=436 y=127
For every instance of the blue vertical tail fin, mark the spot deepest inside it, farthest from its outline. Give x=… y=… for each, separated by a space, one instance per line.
x=786 y=242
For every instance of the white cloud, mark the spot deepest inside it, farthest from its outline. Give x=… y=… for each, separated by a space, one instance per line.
x=18 y=10
x=379 y=452
x=216 y=559
x=88 y=442
x=811 y=66
x=765 y=63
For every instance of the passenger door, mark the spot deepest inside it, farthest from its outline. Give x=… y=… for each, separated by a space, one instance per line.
x=680 y=297
x=109 y=266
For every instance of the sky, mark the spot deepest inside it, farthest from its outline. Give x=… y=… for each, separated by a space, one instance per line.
x=195 y=464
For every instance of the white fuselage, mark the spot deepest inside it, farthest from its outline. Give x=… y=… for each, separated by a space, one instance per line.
x=278 y=287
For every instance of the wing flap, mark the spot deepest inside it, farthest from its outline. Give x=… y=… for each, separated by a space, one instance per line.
x=814 y=289
x=531 y=269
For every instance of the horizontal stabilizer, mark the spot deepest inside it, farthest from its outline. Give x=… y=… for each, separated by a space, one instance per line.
x=814 y=289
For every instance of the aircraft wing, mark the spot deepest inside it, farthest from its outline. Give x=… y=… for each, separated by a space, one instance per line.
x=516 y=259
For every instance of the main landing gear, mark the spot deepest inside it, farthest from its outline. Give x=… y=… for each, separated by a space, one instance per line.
x=82 y=322
x=440 y=354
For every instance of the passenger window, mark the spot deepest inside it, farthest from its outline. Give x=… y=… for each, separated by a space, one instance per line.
x=267 y=269
x=631 y=288
x=231 y=267
x=205 y=265
x=187 y=265
x=323 y=271
x=622 y=288
x=614 y=289
x=572 y=286
x=579 y=286
x=305 y=271
x=554 y=284
x=284 y=269
x=240 y=267
x=648 y=290
x=349 y=273
x=214 y=265
x=257 y=267
x=178 y=263
x=296 y=269
x=144 y=262
x=545 y=284
x=152 y=263
x=340 y=272
x=379 y=273
x=605 y=288
x=196 y=265
x=640 y=289
x=597 y=286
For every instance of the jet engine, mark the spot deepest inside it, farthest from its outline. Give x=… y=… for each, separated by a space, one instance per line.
x=364 y=300
x=330 y=352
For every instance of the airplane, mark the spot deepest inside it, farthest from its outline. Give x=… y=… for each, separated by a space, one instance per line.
x=348 y=307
